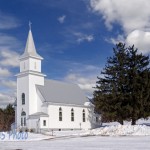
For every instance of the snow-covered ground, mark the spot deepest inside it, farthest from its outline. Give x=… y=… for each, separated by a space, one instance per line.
x=109 y=137
x=24 y=136
x=83 y=143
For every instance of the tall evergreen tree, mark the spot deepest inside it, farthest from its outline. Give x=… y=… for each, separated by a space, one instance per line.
x=121 y=90
x=138 y=84
x=7 y=117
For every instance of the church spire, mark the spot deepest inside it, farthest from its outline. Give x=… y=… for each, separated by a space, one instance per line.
x=30 y=25
x=30 y=50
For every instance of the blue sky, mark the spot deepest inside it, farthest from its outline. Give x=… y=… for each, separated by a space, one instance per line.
x=74 y=37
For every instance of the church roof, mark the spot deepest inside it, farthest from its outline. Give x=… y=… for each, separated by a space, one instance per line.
x=61 y=92
x=30 y=49
x=37 y=115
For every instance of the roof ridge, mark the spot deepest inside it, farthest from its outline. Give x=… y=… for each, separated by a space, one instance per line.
x=63 y=82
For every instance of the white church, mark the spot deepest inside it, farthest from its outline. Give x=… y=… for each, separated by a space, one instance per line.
x=44 y=104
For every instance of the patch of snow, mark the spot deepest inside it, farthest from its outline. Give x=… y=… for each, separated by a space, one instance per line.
x=22 y=136
x=119 y=130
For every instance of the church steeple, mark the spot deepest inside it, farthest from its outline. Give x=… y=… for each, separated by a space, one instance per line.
x=30 y=60
x=30 y=50
x=28 y=78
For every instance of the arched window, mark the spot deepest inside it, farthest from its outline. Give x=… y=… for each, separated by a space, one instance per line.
x=83 y=115
x=23 y=113
x=60 y=114
x=24 y=121
x=23 y=118
x=21 y=121
x=23 y=98
x=72 y=114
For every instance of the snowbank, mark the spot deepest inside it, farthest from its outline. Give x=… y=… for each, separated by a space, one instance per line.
x=112 y=130
x=119 y=130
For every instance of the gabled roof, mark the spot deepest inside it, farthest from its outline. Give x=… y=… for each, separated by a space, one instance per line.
x=37 y=115
x=30 y=49
x=61 y=92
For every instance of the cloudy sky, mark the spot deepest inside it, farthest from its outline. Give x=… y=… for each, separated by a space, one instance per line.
x=74 y=37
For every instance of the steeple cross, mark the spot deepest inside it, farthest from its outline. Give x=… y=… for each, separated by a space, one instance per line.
x=30 y=25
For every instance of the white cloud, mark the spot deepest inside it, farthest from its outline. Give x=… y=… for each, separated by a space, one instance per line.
x=84 y=82
x=4 y=72
x=6 y=99
x=83 y=37
x=140 y=39
x=130 y=15
x=7 y=40
x=119 y=38
x=91 y=68
x=8 y=21
x=61 y=19
x=9 y=58
x=9 y=83
x=133 y=16
x=85 y=76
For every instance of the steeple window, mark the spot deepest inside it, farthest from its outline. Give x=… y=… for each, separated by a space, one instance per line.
x=23 y=98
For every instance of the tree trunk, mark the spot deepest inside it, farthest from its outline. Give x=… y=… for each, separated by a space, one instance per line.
x=133 y=121
x=121 y=122
x=133 y=117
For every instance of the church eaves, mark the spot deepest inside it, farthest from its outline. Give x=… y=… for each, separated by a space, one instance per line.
x=30 y=50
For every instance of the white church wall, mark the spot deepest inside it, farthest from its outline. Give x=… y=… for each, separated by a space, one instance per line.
x=34 y=124
x=35 y=64
x=30 y=64
x=22 y=87
x=42 y=124
x=26 y=84
x=44 y=109
x=33 y=81
x=66 y=123
x=24 y=65
x=40 y=100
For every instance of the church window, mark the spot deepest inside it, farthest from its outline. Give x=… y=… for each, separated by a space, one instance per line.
x=60 y=114
x=44 y=122
x=83 y=115
x=24 y=121
x=21 y=121
x=23 y=98
x=72 y=114
x=23 y=114
x=23 y=118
